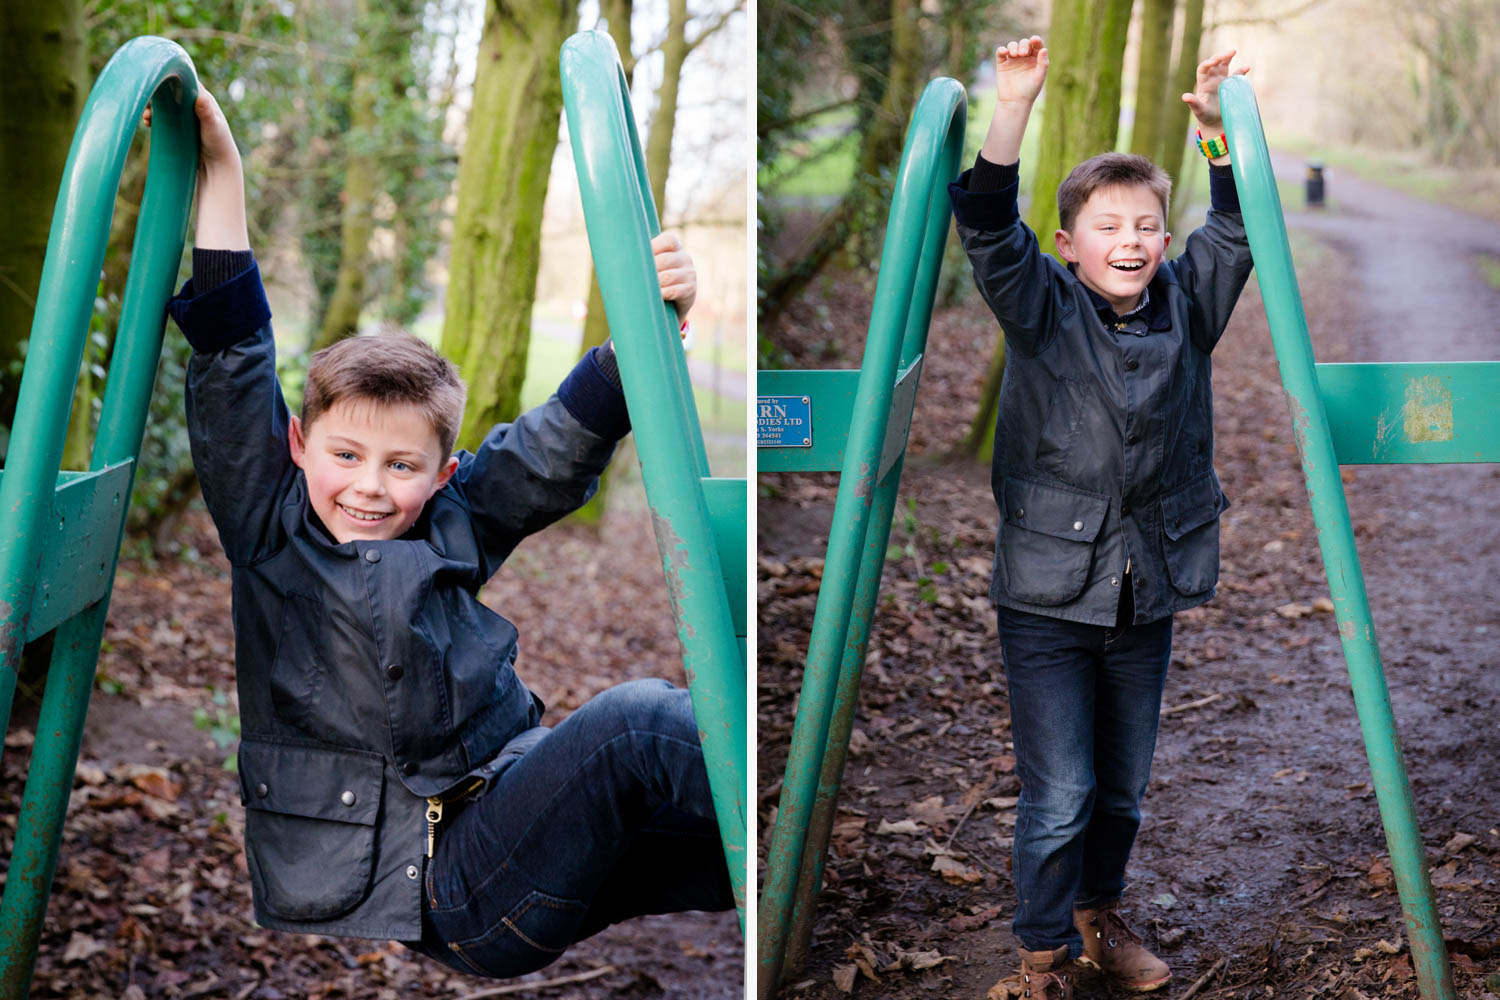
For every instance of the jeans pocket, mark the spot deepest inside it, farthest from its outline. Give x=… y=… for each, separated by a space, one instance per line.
x=531 y=935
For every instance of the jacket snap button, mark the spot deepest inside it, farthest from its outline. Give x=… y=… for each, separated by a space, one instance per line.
x=1132 y=365
x=1114 y=581
x=1077 y=525
x=372 y=555
x=261 y=790
x=1132 y=439
x=411 y=871
x=1020 y=513
x=1124 y=510
x=394 y=671
x=347 y=798
x=409 y=768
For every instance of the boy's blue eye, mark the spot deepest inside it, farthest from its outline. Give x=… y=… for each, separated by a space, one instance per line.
x=400 y=466
x=347 y=456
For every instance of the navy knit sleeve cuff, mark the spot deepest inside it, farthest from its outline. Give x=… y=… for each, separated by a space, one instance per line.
x=594 y=401
x=1223 y=196
x=985 y=197
x=222 y=316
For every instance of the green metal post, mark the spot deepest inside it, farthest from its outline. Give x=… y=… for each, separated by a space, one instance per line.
x=902 y=310
x=144 y=70
x=1278 y=282
x=621 y=220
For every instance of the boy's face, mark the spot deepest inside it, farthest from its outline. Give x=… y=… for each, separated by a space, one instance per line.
x=1118 y=241
x=370 y=468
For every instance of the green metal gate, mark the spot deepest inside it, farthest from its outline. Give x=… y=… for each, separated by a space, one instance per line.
x=1361 y=414
x=855 y=422
x=700 y=520
x=60 y=532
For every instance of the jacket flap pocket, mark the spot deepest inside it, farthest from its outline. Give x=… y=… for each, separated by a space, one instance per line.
x=1192 y=506
x=1055 y=511
x=335 y=785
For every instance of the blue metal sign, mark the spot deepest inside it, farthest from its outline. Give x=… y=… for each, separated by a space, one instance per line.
x=783 y=422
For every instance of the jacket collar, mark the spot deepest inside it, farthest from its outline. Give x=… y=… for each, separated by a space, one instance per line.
x=1152 y=310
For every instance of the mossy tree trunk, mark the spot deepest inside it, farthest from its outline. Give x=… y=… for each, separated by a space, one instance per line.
x=1080 y=118
x=43 y=83
x=1174 y=136
x=502 y=182
x=1148 y=133
x=379 y=57
x=595 y=327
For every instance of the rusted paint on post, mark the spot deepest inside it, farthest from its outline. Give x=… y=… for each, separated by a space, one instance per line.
x=1266 y=229
x=1428 y=412
x=621 y=220
x=145 y=70
x=915 y=234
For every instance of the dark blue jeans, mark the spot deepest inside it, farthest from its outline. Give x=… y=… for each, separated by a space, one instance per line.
x=607 y=817
x=1084 y=705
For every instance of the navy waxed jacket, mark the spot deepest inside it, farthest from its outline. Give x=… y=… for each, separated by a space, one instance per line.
x=370 y=676
x=1104 y=443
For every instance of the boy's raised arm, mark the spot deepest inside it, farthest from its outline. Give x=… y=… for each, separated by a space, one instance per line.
x=237 y=419
x=527 y=474
x=1020 y=71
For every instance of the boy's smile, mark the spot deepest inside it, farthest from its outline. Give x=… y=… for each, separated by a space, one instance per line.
x=370 y=467
x=1118 y=241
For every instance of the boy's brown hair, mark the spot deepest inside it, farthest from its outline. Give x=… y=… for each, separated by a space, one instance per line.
x=1110 y=170
x=387 y=369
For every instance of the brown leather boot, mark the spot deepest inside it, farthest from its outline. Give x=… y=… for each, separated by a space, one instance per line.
x=1047 y=975
x=1114 y=949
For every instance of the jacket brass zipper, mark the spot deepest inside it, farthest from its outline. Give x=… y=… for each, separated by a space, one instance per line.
x=434 y=817
x=435 y=814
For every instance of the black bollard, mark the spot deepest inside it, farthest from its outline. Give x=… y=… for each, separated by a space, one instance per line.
x=1314 y=183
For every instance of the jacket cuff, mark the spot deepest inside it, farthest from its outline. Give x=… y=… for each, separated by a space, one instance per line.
x=223 y=316
x=212 y=268
x=593 y=400
x=990 y=210
x=1223 y=196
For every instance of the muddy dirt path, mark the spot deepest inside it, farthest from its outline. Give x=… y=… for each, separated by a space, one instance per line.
x=1261 y=866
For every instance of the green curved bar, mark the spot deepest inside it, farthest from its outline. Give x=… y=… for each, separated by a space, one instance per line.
x=1266 y=228
x=909 y=264
x=621 y=220
x=144 y=70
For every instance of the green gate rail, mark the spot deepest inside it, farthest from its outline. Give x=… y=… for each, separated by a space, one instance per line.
x=855 y=422
x=60 y=532
x=700 y=521
x=1361 y=414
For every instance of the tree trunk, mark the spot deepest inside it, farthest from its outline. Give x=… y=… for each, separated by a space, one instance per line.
x=502 y=182
x=1174 y=137
x=1080 y=119
x=880 y=151
x=1146 y=137
x=381 y=44
x=43 y=83
x=595 y=325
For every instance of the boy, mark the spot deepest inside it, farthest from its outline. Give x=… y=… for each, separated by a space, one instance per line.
x=396 y=781
x=1109 y=506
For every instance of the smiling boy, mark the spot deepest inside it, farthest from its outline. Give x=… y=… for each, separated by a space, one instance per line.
x=396 y=779
x=1109 y=506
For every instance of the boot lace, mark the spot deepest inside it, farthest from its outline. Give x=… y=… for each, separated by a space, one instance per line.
x=1114 y=930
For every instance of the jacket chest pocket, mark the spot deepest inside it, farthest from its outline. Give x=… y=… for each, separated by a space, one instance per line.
x=309 y=827
x=1190 y=524
x=1047 y=541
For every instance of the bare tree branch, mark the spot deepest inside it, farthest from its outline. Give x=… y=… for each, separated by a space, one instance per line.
x=718 y=23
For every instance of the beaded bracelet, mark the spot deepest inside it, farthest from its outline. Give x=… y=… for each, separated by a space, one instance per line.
x=1213 y=148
